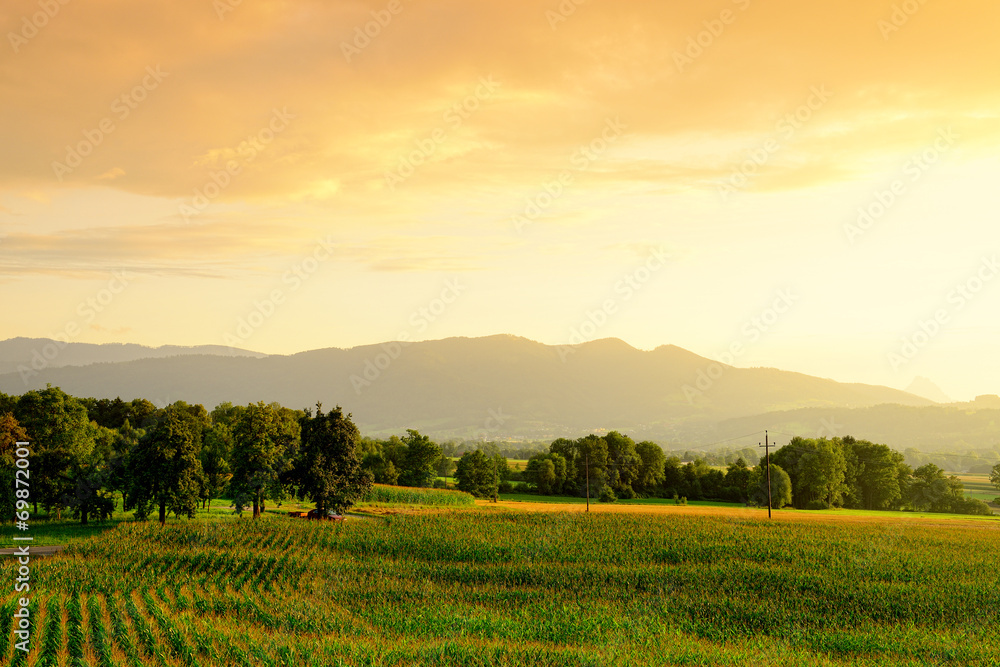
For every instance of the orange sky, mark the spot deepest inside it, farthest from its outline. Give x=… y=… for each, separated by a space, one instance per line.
x=264 y=157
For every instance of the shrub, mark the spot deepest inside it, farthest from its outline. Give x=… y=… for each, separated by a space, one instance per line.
x=506 y=487
x=608 y=495
x=817 y=505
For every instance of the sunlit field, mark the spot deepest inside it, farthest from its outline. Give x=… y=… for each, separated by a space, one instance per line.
x=492 y=586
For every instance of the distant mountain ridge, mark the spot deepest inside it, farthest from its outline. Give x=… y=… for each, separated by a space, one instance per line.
x=494 y=387
x=34 y=354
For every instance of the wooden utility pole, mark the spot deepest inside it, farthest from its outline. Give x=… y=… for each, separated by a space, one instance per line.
x=496 y=479
x=587 y=459
x=767 y=460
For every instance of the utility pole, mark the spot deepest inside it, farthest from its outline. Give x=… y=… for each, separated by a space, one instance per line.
x=587 y=459
x=496 y=479
x=767 y=459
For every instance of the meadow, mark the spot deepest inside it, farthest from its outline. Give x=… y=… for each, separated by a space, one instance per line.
x=492 y=586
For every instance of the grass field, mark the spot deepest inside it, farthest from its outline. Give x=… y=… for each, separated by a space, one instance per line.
x=624 y=585
x=979 y=487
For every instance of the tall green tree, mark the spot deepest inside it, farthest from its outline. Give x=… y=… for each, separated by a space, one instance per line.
x=11 y=433
x=328 y=470
x=164 y=468
x=479 y=474
x=781 y=486
x=59 y=431
x=91 y=488
x=737 y=481
x=877 y=476
x=624 y=463
x=995 y=478
x=216 y=452
x=817 y=469
x=419 y=461
x=651 y=463
x=265 y=442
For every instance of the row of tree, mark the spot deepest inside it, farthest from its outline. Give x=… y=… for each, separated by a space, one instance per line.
x=86 y=453
x=806 y=473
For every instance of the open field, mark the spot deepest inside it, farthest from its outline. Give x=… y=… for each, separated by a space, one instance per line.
x=625 y=585
x=979 y=487
x=538 y=503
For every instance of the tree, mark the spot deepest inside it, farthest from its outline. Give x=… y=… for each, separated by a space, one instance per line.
x=652 y=461
x=931 y=491
x=328 y=470
x=673 y=476
x=737 y=481
x=383 y=470
x=11 y=433
x=876 y=479
x=547 y=472
x=477 y=473
x=164 y=468
x=91 y=476
x=216 y=452
x=571 y=453
x=265 y=440
x=995 y=478
x=624 y=463
x=817 y=469
x=592 y=462
x=59 y=431
x=781 y=486
x=419 y=460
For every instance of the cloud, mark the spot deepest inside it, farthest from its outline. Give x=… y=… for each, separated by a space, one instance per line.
x=354 y=119
x=221 y=249
x=111 y=174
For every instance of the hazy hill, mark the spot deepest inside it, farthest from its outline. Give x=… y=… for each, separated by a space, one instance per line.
x=921 y=386
x=35 y=353
x=496 y=386
x=956 y=427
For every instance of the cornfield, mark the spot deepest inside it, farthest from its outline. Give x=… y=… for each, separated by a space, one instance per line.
x=505 y=588
x=382 y=493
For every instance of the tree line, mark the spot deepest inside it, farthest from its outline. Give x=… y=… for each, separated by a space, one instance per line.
x=86 y=453
x=806 y=473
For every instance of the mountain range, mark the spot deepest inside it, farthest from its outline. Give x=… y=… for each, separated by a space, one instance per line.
x=496 y=387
